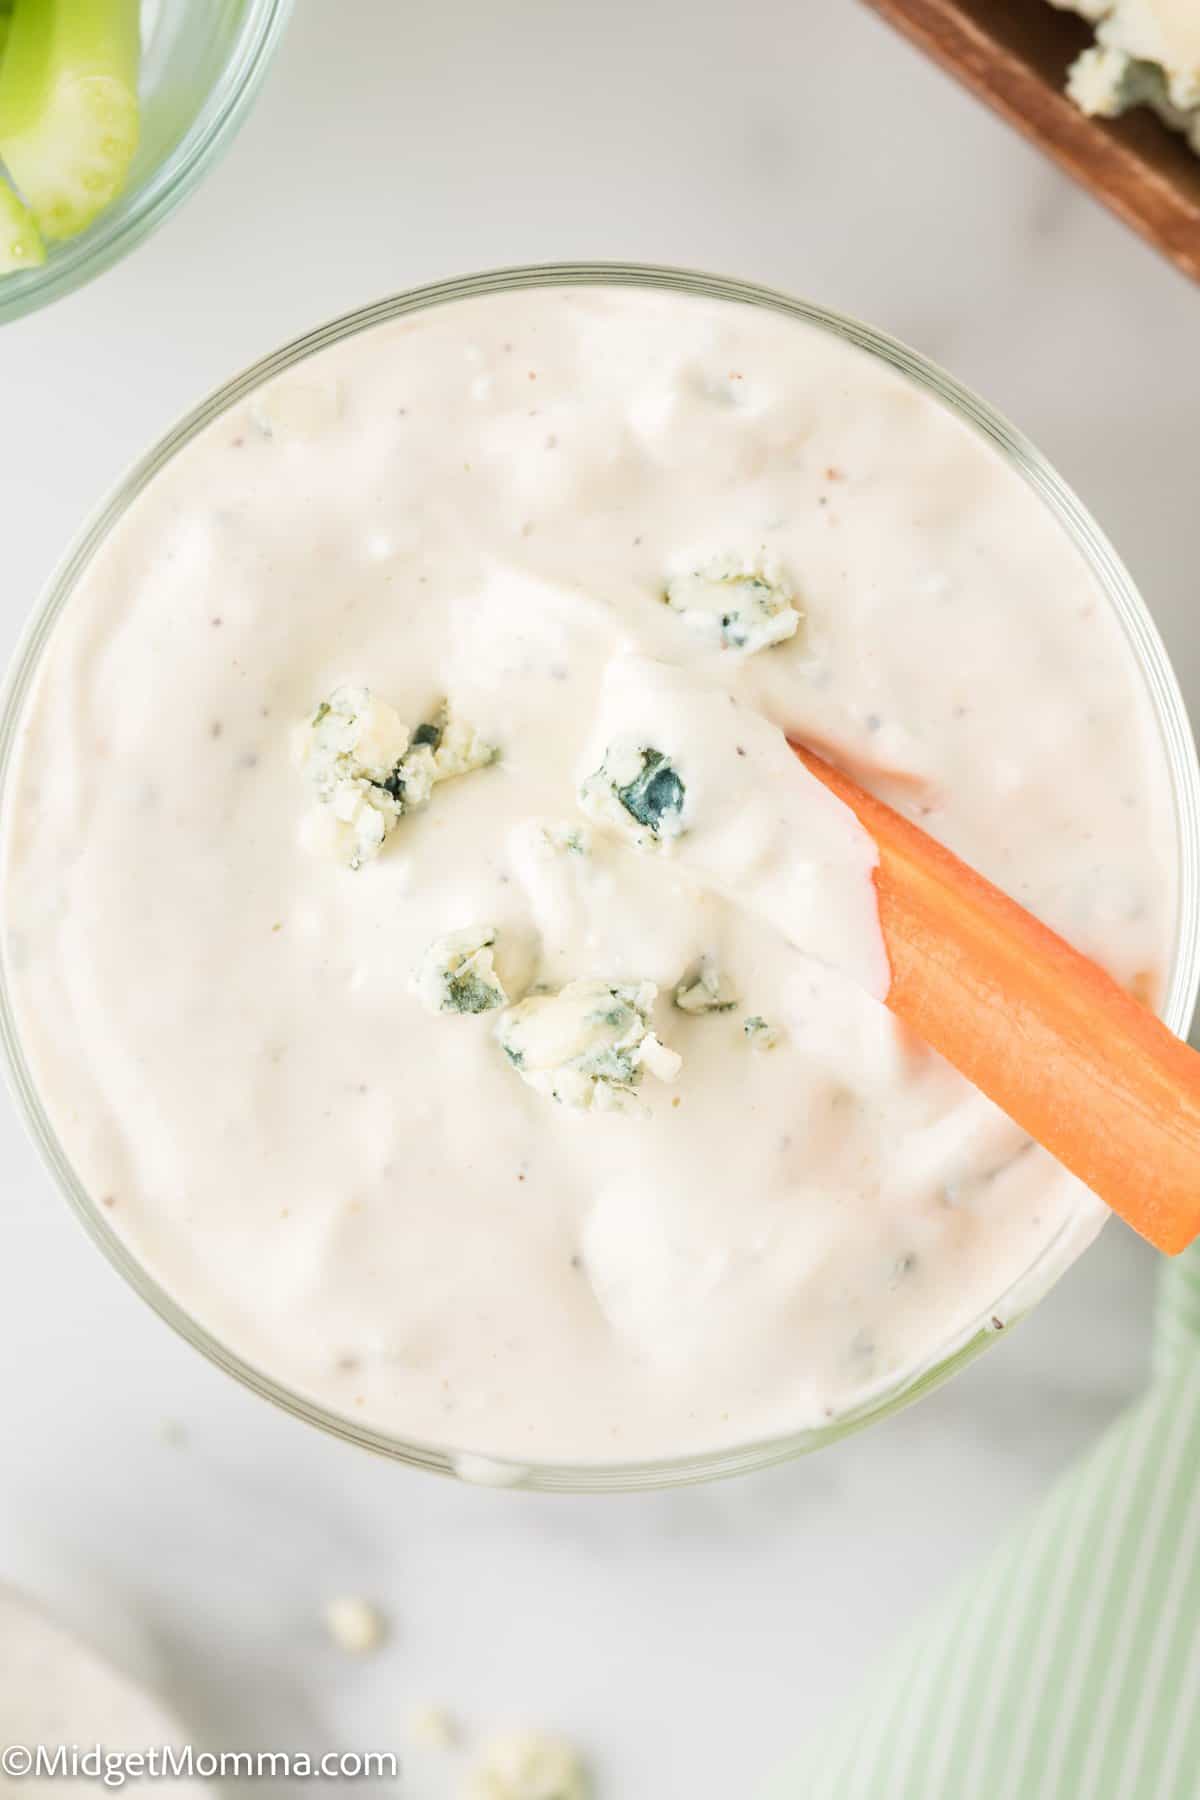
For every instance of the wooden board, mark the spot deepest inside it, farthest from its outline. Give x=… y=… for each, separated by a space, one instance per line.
x=1014 y=54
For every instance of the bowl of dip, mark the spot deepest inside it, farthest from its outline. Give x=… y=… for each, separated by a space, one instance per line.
x=424 y=967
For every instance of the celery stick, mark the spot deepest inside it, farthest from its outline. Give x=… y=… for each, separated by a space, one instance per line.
x=68 y=107
x=20 y=241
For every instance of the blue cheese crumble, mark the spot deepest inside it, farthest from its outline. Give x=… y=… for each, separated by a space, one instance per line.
x=639 y=790
x=566 y=840
x=760 y=1035
x=458 y=973
x=369 y=770
x=446 y=747
x=735 y=605
x=705 y=989
x=588 y=1045
x=1145 y=54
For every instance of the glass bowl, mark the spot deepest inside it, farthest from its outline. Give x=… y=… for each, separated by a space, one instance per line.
x=1144 y=645
x=202 y=62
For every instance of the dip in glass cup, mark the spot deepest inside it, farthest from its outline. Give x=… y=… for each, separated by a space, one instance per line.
x=1144 y=649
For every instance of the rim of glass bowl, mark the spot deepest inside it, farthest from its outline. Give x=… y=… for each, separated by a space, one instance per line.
x=1145 y=646
x=140 y=210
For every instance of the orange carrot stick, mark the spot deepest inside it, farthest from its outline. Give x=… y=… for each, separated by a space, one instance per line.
x=1053 y=1040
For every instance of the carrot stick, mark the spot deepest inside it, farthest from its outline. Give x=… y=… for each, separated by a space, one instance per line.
x=1072 y=1058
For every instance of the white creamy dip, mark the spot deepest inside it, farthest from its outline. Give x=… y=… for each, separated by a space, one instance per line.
x=237 y=1036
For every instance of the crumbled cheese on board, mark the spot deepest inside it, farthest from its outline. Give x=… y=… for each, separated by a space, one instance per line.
x=1147 y=53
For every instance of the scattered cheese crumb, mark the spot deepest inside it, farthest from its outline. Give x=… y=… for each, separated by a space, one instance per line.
x=528 y=1765
x=432 y=1727
x=355 y=1625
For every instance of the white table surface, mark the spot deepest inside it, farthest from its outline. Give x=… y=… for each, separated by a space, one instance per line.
x=687 y=1639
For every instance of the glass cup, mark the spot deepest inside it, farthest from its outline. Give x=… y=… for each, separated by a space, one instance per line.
x=202 y=63
x=1145 y=648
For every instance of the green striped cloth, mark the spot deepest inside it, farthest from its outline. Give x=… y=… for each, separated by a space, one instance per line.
x=1068 y=1667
